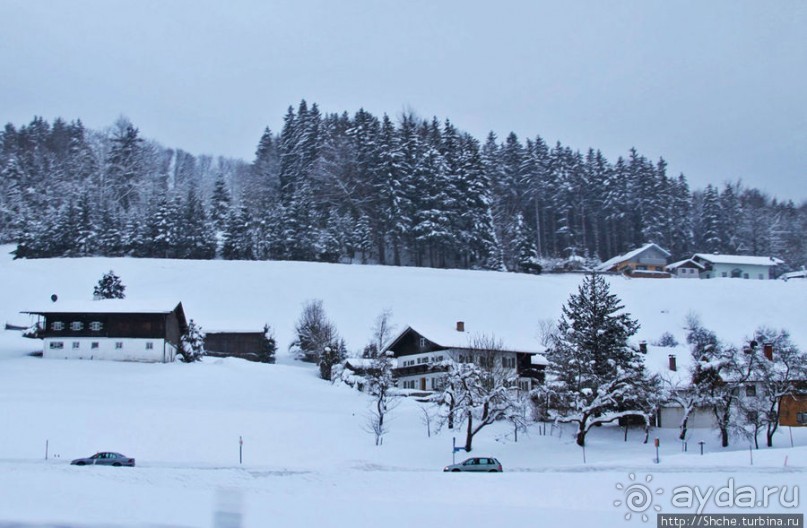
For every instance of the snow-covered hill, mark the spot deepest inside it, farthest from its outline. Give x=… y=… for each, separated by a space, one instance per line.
x=308 y=459
x=227 y=295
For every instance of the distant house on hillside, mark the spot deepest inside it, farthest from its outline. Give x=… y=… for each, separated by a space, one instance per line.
x=111 y=329
x=686 y=269
x=245 y=344
x=647 y=261
x=736 y=266
x=420 y=357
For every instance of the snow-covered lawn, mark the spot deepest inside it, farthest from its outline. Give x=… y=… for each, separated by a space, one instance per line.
x=307 y=457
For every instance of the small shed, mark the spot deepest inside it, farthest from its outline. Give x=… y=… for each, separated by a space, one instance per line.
x=245 y=344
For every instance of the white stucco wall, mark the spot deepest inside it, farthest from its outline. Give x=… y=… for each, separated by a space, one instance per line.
x=686 y=273
x=107 y=349
x=753 y=272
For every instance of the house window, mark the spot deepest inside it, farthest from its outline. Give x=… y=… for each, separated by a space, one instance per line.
x=524 y=385
x=94 y=344
x=76 y=345
x=76 y=326
x=118 y=345
x=56 y=345
x=745 y=275
x=57 y=326
x=508 y=362
x=801 y=418
x=751 y=391
x=724 y=274
x=422 y=343
x=149 y=346
x=96 y=326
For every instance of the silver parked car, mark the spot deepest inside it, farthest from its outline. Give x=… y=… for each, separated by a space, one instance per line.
x=483 y=464
x=105 y=458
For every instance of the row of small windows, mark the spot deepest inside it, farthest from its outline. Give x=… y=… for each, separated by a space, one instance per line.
x=438 y=383
x=76 y=326
x=484 y=361
x=58 y=345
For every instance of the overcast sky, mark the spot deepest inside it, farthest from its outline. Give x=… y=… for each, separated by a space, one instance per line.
x=718 y=88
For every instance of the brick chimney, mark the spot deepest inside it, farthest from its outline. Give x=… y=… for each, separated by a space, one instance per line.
x=673 y=364
x=767 y=350
x=460 y=326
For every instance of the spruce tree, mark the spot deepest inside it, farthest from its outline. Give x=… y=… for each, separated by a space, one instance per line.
x=594 y=376
x=109 y=287
x=192 y=343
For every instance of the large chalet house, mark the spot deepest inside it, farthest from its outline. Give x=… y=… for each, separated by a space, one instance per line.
x=421 y=356
x=110 y=329
x=649 y=260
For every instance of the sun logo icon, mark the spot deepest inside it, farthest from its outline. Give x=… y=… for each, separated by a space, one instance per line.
x=638 y=497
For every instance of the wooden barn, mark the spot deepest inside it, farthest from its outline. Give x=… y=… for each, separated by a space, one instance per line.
x=245 y=344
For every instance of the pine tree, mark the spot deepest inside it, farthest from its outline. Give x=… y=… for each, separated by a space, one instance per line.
x=526 y=257
x=109 y=287
x=219 y=204
x=269 y=347
x=192 y=343
x=710 y=235
x=237 y=243
x=124 y=165
x=594 y=376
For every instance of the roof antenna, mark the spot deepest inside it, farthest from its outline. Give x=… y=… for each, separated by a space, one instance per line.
x=54 y=297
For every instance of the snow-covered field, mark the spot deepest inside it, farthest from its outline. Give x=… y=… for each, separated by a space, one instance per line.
x=307 y=458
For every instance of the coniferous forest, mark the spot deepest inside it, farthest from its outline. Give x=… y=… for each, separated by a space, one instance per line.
x=340 y=188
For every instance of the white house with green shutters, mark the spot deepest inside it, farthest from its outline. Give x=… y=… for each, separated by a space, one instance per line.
x=736 y=266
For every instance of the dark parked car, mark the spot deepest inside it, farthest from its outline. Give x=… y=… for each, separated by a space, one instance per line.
x=484 y=464
x=105 y=459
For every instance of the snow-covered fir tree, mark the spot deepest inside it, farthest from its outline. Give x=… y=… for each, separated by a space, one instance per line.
x=109 y=286
x=594 y=376
x=192 y=343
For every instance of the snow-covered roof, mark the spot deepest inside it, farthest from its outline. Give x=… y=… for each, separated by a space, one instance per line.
x=233 y=330
x=794 y=275
x=610 y=263
x=365 y=363
x=747 y=260
x=685 y=262
x=106 y=306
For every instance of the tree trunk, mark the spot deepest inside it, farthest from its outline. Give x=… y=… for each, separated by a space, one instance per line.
x=683 y=434
x=469 y=437
x=772 y=426
x=581 y=432
x=581 y=437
